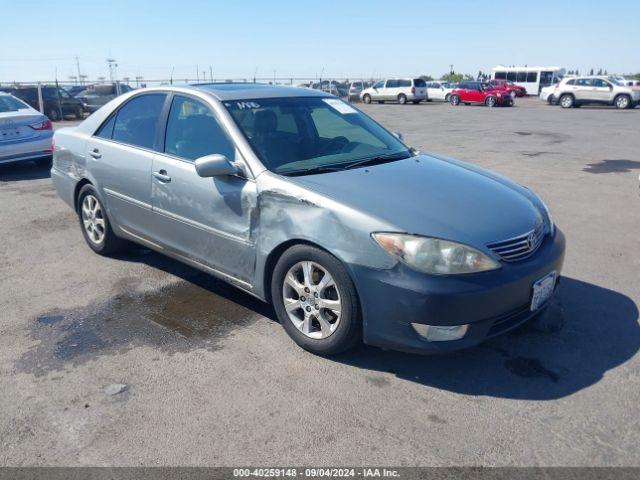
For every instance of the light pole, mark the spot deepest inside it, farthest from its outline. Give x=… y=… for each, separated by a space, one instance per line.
x=112 y=68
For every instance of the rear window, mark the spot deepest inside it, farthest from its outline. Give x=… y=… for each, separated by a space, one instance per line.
x=11 y=104
x=418 y=82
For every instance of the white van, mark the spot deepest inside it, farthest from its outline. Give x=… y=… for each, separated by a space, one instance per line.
x=401 y=90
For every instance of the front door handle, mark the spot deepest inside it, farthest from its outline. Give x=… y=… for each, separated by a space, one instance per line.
x=95 y=153
x=162 y=176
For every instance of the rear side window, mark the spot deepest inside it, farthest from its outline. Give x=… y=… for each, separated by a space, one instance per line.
x=418 y=82
x=404 y=83
x=511 y=76
x=106 y=130
x=501 y=75
x=571 y=82
x=392 y=83
x=136 y=122
x=583 y=82
x=532 y=77
x=521 y=77
x=193 y=131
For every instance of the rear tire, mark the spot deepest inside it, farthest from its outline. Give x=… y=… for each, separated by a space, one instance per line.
x=490 y=102
x=334 y=334
x=402 y=99
x=567 y=101
x=94 y=223
x=53 y=114
x=454 y=100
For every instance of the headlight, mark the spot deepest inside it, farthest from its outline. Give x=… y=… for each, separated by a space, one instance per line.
x=433 y=255
x=549 y=217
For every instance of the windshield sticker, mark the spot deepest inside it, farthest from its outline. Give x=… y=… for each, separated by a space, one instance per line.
x=339 y=105
x=242 y=105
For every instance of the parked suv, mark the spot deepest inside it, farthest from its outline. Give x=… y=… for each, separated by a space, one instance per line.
x=401 y=90
x=356 y=88
x=578 y=91
x=439 y=90
x=478 y=92
x=95 y=96
x=57 y=101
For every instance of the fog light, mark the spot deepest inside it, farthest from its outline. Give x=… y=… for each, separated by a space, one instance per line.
x=440 y=333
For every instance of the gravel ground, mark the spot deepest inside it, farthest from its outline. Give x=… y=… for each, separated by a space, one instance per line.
x=138 y=360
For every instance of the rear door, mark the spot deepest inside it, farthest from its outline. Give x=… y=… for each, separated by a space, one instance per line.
x=583 y=90
x=120 y=156
x=203 y=219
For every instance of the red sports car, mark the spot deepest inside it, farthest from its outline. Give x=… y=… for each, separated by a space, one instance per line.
x=508 y=86
x=478 y=92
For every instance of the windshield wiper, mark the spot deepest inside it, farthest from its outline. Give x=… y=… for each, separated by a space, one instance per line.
x=312 y=170
x=377 y=160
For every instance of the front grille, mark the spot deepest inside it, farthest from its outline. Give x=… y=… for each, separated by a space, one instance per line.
x=509 y=321
x=520 y=247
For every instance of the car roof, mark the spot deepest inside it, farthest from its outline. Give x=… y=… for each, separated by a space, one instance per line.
x=246 y=91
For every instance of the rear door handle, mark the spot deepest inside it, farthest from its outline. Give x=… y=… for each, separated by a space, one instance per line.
x=162 y=176
x=95 y=153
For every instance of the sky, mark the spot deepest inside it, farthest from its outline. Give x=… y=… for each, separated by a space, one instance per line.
x=40 y=40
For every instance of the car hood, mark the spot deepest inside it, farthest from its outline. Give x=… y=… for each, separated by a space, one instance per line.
x=433 y=196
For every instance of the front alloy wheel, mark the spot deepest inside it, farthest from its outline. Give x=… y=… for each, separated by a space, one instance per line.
x=315 y=300
x=454 y=100
x=312 y=300
x=491 y=101
x=622 y=102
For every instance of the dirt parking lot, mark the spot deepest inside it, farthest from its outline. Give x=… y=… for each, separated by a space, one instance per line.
x=212 y=379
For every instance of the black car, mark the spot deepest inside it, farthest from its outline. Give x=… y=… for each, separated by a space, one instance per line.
x=57 y=101
x=95 y=96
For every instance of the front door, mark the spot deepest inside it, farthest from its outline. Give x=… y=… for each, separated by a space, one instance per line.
x=121 y=155
x=207 y=220
x=602 y=90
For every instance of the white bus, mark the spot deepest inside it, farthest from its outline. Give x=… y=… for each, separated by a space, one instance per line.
x=533 y=79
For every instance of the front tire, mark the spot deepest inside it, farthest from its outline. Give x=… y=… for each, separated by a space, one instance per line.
x=402 y=99
x=96 y=228
x=567 y=101
x=366 y=99
x=454 y=100
x=316 y=301
x=490 y=102
x=622 y=102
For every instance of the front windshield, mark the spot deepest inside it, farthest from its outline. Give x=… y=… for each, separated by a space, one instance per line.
x=298 y=135
x=615 y=81
x=11 y=104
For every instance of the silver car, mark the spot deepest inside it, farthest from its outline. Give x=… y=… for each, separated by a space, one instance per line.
x=25 y=133
x=302 y=200
x=577 y=91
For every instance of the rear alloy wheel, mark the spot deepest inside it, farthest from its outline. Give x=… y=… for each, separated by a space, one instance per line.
x=454 y=100
x=95 y=225
x=566 y=101
x=622 y=102
x=366 y=98
x=315 y=300
x=402 y=99
x=490 y=102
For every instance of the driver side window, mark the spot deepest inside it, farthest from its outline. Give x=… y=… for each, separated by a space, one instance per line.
x=193 y=131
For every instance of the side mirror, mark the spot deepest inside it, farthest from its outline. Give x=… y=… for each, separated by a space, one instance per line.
x=215 y=166
x=398 y=135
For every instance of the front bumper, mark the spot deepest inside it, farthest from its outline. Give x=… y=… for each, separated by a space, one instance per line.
x=492 y=303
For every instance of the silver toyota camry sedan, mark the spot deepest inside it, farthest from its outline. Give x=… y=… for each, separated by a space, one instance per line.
x=305 y=202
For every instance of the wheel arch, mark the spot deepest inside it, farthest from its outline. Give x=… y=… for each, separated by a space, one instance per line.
x=277 y=252
x=76 y=191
